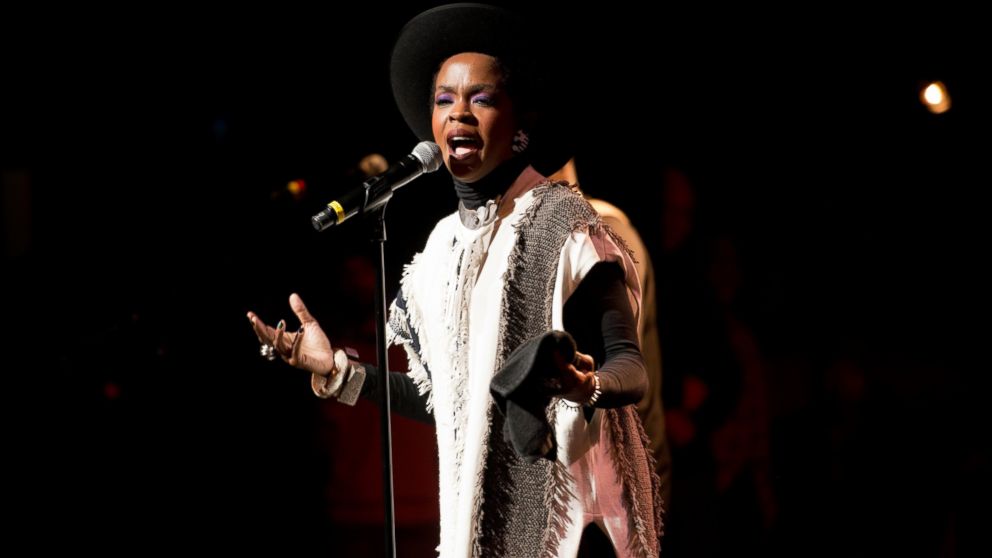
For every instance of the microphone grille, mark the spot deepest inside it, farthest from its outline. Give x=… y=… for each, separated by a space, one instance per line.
x=429 y=155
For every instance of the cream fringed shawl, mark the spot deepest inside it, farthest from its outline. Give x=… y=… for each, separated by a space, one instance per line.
x=455 y=314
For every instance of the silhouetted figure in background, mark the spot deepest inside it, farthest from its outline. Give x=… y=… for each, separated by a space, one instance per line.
x=715 y=391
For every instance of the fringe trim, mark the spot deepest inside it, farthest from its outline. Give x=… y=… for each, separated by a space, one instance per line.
x=493 y=548
x=514 y=315
x=398 y=332
x=556 y=498
x=463 y=272
x=420 y=377
x=414 y=320
x=659 y=505
x=456 y=310
x=618 y=239
x=648 y=537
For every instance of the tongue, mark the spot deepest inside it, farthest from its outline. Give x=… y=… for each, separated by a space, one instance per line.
x=461 y=151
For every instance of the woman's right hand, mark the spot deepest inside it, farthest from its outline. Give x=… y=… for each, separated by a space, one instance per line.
x=576 y=380
x=307 y=349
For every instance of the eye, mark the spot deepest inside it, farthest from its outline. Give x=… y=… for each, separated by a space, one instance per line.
x=484 y=100
x=443 y=100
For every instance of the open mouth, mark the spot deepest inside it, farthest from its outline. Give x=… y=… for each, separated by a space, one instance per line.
x=462 y=145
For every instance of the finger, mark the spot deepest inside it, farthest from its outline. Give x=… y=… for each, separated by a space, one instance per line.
x=564 y=382
x=584 y=362
x=300 y=309
x=573 y=376
x=277 y=342
x=286 y=342
x=573 y=389
x=265 y=333
x=294 y=351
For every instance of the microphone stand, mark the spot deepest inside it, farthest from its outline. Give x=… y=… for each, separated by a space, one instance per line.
x=377 y=224
x=374 y=195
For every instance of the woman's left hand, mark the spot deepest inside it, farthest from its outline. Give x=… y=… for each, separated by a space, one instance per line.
x=577 y=378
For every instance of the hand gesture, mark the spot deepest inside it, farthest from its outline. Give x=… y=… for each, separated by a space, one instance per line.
x=307 y=349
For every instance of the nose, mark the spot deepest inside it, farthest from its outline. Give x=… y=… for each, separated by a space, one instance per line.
x=461 y=112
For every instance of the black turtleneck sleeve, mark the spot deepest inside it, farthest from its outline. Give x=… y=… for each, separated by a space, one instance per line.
x=599 y=317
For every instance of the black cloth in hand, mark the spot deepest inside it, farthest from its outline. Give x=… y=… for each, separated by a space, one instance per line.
x=522 y=395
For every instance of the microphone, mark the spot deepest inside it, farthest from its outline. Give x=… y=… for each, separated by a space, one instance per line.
x=376 y=191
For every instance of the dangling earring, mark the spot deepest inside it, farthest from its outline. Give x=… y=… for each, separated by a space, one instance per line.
x=520 y=141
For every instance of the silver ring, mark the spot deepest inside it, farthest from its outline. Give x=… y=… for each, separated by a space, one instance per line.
x=268 y=351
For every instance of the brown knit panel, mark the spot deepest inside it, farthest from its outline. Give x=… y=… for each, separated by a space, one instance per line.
x=523 y=509
x=522 y=500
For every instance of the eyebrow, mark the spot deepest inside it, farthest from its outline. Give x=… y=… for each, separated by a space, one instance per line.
x=477 y=88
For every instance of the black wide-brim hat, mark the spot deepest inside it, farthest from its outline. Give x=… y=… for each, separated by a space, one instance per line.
x=439 y=33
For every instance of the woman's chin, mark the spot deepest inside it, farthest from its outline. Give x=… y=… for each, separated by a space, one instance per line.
x=463 y=170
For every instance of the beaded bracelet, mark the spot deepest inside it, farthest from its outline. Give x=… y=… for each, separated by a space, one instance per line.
x=596 y=392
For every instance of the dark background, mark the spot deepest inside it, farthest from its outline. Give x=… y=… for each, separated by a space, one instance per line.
x=145 y=158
